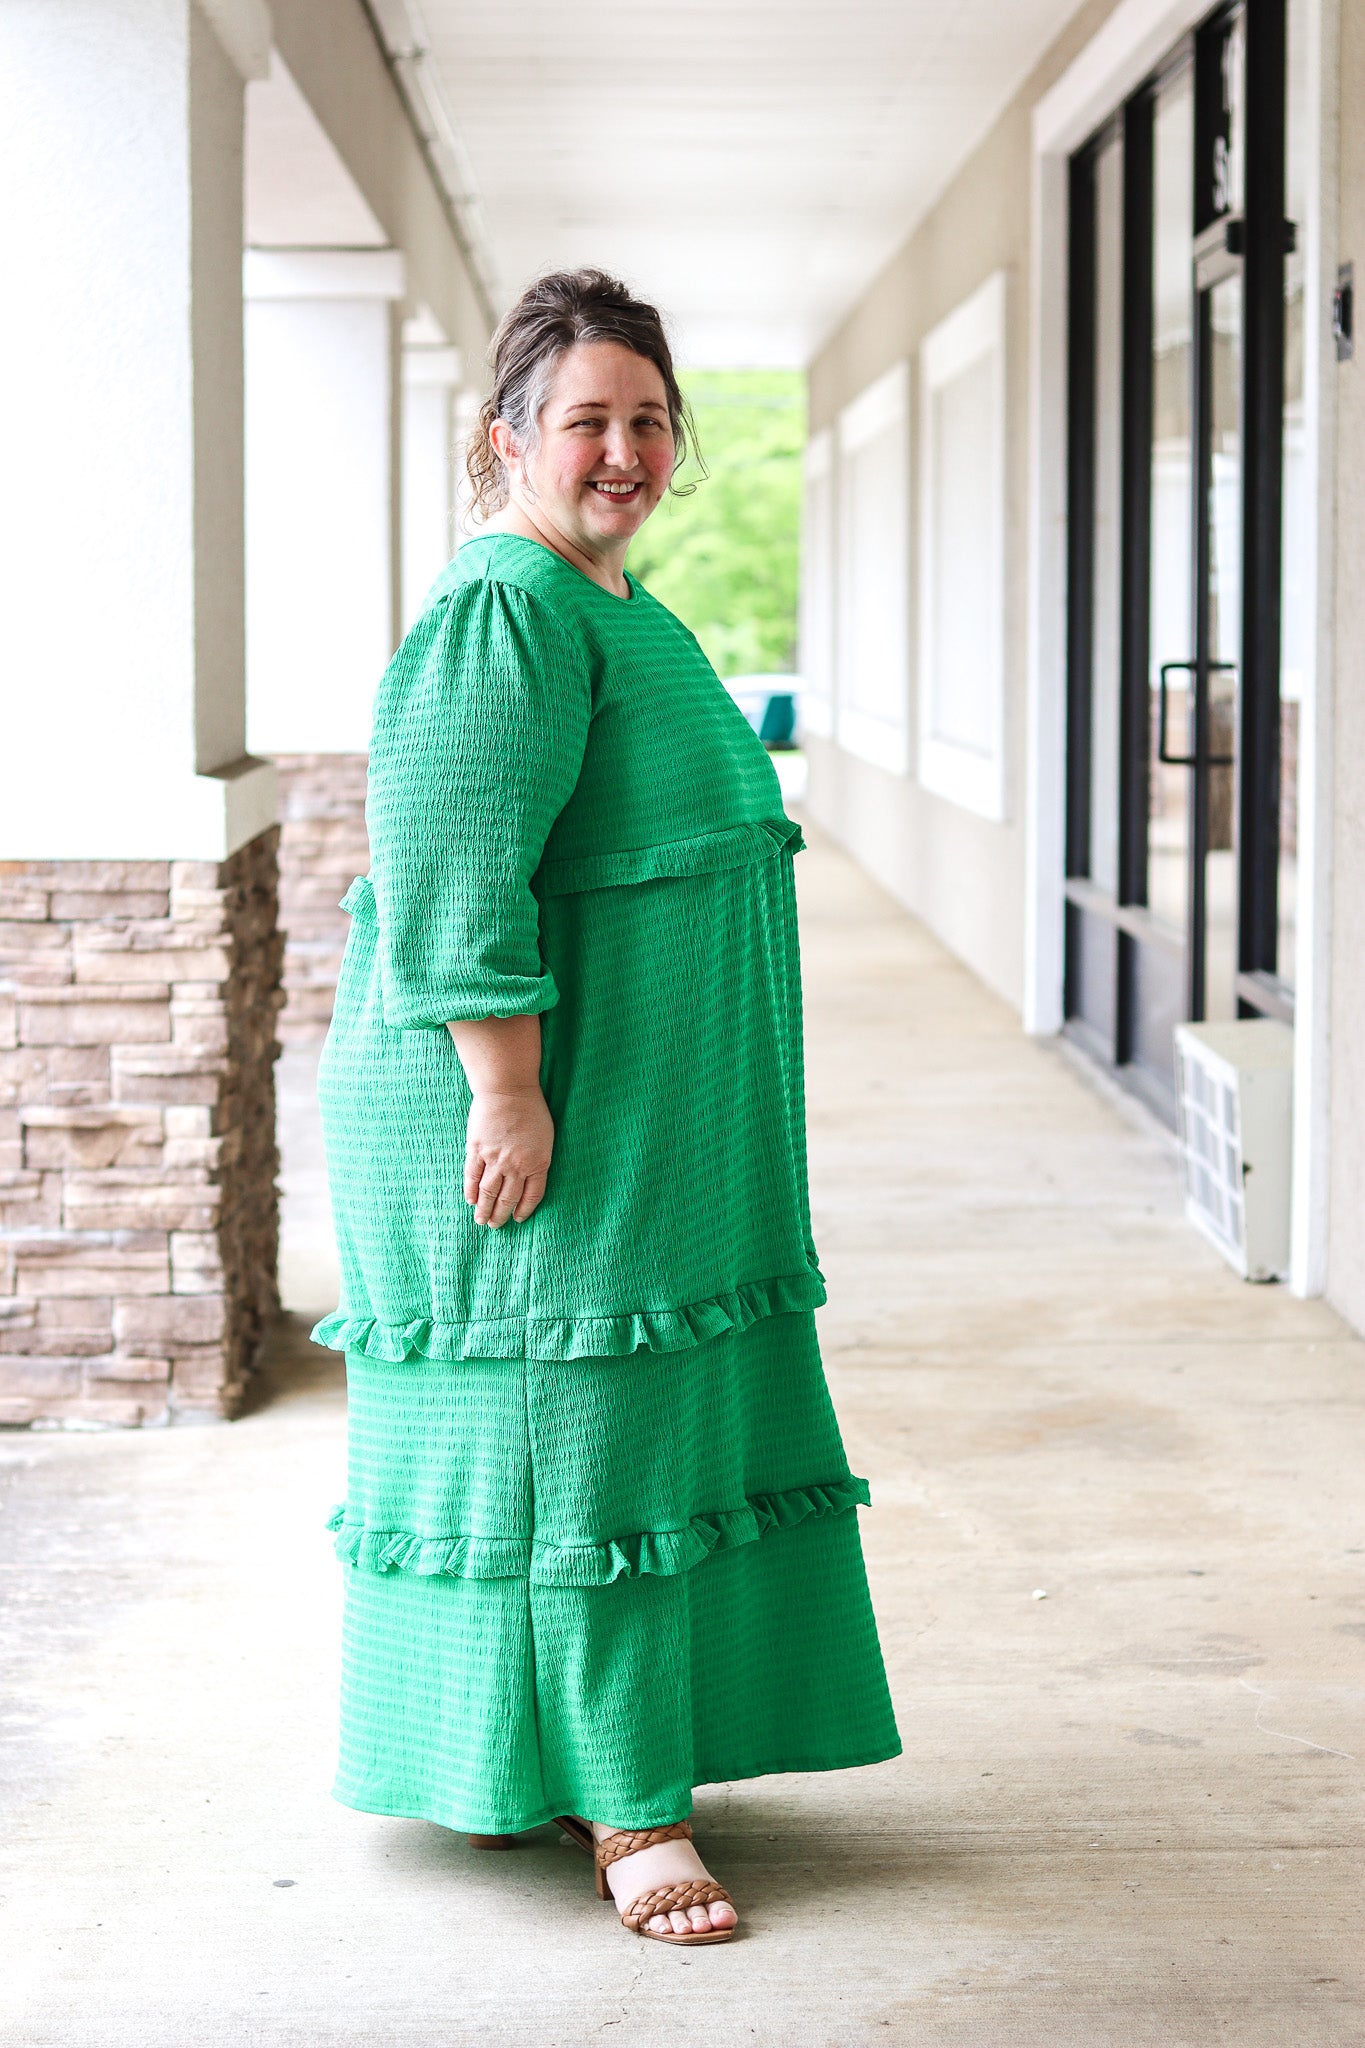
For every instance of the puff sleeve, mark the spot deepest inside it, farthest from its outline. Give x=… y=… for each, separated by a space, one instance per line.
x=480 y=727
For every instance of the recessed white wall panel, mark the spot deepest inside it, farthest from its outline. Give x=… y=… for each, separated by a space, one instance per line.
x=873 y=681
x=818 y=586
x=962 y=554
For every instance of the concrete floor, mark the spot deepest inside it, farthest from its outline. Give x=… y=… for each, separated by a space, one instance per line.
x=1126 y=1813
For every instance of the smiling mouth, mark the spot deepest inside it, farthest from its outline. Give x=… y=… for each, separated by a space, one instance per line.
x=619 y=492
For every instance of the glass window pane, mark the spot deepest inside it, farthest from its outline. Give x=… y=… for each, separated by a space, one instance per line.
x=1229 y=143
x=1171 y=624
x=1104 y=657
x=1224 y=514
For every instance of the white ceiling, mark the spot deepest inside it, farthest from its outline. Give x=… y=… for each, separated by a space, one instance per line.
x=751 y=164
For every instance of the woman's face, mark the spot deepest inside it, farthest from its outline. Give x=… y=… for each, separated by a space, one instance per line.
x=606 y=448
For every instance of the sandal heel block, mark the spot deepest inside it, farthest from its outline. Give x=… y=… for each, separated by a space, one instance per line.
x=667 y=1898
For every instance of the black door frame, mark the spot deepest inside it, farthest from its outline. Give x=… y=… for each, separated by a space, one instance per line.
x=1266 y=244
x=1255 y=242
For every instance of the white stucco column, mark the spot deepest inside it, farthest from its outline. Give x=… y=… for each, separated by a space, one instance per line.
x=322 y=493
x=121 y=644
x=431 y=379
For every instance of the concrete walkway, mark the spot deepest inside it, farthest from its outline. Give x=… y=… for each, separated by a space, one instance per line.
x=1126 y=1811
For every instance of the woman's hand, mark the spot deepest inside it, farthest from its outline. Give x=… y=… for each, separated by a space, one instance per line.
x=508 y=1142
x=510 y=1134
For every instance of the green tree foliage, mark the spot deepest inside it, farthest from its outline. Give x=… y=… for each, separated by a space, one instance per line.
x=726 y=558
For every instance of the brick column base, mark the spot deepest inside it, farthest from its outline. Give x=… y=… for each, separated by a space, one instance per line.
x=139 y=1218
x=323 y=847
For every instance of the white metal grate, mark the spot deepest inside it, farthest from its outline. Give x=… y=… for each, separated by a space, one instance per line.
x=1211 y=1140
x=1234 y=1091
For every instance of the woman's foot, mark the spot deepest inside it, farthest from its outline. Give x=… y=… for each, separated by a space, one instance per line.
x=630 y=1877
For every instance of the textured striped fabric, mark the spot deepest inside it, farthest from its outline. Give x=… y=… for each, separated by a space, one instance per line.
x=600 y=1526
x=650 y=918
x=589 y=1587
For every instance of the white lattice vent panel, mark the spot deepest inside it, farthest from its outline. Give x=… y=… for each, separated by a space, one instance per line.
x=1235 y=1092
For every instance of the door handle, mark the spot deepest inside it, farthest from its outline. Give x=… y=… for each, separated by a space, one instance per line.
x=1186 y=760
x=1171 y=760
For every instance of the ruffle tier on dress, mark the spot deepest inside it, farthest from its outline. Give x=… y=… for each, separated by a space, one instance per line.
x=592 y=1587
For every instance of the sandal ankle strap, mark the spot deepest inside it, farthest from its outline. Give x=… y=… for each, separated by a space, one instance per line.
x=628 y=1841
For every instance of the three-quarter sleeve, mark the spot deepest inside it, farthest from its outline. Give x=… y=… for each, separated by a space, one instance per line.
x=480 y=726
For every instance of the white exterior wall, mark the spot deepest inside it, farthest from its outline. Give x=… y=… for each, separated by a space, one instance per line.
x=431 y=378
x=1341 y=747
x=946 y=857
x=322 y=495
x=120 y=383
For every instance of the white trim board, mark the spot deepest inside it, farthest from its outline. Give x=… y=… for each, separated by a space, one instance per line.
x=1132 y=42
x=1045 y=696
x=967 y=770
x=1310 y=1177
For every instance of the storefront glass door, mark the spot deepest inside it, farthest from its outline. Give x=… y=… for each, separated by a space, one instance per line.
x=1181 y=437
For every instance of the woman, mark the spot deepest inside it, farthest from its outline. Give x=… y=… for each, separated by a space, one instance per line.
x=599 y=1518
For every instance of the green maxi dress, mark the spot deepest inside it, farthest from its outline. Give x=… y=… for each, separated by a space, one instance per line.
x=599 y=1527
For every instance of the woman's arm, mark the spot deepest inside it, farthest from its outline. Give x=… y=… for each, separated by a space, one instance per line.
x=479 y=734
x=510 y=1134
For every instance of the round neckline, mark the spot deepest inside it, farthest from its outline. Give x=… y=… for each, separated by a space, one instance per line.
x=555 y=556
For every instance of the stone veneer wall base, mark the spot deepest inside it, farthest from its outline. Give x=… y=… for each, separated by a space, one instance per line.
x=323 y=847
x=138 y=1210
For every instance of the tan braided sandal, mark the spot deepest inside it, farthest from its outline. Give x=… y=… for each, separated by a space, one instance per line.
x=665 y=1898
